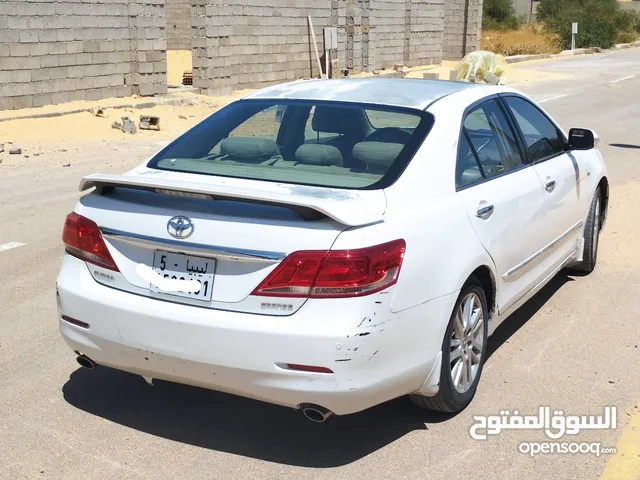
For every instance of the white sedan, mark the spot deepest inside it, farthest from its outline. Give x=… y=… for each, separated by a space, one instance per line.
x=330 y=245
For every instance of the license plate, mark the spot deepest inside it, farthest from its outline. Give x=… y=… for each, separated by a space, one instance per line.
x=175 y=266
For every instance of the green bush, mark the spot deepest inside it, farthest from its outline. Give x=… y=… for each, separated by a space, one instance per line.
x=499 y=15
x=601 y=23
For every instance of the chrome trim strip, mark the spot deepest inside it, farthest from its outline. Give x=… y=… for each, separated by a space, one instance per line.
x=520 y=300
x=210 y=251
x=543 y=250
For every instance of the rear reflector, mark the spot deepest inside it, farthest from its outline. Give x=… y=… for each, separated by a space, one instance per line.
x=73 y=321
x=82 y=238
x=308 y=368
x=335 y=274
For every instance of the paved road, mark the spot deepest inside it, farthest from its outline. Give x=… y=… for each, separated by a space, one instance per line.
x=574 y=347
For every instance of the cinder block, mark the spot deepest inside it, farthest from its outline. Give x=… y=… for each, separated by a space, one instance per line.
x=59 y=72
x=145 y=68
x=28 y=36
x=77 y=95
x=19 y=50
x=109 y=92
x=7 y=103
x=18 y=23
x=45 y=36
x=40 y=74
x=48 y=61
x=83 y=58
x=91 y=47
x=41 y=100
x=20 y=76
x=56 y=48
x=28 y=63
x=12 y=90
x=23 y=102
x=32 y=88
x=9 y=36
x=59 y=97
x=36 y=49
x=67 y=59
x=74 y=47
x=86 y=83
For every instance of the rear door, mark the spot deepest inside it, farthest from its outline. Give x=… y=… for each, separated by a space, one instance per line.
x=503 y=197
x=560 y=174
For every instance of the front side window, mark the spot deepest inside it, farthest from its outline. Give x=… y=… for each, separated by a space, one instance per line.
x=542 y=138
x=328 y=144
x=487 y=145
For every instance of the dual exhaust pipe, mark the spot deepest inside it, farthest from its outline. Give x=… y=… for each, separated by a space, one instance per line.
x=314 y=413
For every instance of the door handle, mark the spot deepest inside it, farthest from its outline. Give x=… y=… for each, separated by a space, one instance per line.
x=550 y=185
x=484 y=212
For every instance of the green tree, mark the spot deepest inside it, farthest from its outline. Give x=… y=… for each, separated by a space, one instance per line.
x=600 y=22
x=499 y=15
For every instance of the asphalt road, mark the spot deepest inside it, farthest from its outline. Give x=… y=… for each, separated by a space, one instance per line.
x=573 y=347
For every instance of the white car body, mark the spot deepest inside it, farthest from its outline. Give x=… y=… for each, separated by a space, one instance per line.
x=378 y=346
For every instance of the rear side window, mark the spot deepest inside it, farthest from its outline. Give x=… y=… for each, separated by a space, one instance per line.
x=487 y=145
x=328 y=144
x=542 y=138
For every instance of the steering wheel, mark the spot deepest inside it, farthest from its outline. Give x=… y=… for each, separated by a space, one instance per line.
x=389 y=135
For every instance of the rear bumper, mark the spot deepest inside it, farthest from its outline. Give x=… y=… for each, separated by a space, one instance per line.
x=375 y=355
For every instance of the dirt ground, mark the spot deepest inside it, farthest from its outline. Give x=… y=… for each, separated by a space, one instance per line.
x=178 y=62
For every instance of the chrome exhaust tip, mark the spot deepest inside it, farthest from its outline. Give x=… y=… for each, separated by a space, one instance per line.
x=86 y=362
x=315 y=413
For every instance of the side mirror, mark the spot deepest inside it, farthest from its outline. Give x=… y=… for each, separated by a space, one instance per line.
x=582 y=139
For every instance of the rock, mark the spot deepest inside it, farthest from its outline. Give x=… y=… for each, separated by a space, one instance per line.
x=1 y=147
x=182 y=117
x=66 y=165
x=128 y=125
x=97 y=111
x=15 y=151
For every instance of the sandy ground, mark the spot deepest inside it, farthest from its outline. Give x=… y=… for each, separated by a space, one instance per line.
x=178 y=62
x=174 y=119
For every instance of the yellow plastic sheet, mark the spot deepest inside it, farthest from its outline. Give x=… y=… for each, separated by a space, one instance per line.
x=482 y=67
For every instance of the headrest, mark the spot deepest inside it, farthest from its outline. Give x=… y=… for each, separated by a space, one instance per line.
x=249 y=148
x=337 y=120
x=317 y=154
x=377 y=155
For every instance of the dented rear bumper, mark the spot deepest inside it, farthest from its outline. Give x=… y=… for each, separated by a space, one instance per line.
x=375 y=355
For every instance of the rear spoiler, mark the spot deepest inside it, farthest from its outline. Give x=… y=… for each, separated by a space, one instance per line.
x=352 y=208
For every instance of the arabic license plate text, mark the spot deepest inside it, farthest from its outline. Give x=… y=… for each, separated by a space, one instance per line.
x=176 y=266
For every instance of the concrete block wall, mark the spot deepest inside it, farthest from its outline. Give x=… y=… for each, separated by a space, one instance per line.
x=388 y=32
x=251 y=43
x=462 y=28
x=178 y=13
x=58 y=51
x=426 y=27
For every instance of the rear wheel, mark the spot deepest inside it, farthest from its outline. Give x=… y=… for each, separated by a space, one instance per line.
x=591 y=238
x=464 y=351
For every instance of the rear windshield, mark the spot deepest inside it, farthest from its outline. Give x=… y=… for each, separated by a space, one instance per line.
x=326 y=144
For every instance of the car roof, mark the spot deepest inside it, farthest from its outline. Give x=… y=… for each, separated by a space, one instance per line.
x=398 y=92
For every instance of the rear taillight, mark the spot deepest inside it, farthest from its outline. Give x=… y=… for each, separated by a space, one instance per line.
x=335 y=274
x=82 y=238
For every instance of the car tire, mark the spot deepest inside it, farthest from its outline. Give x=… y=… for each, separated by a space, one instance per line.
x=453 y=396
x=591 y=238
